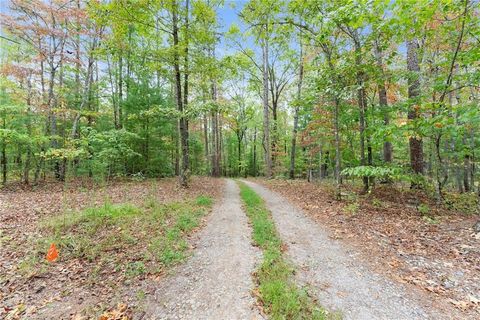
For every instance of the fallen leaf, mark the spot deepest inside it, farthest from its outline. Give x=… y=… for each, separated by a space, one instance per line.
x=15 y=312
x=459 y=304
x=474 y=300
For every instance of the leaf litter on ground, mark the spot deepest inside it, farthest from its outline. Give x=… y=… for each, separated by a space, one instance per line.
x=435 y=252
x=81 y=282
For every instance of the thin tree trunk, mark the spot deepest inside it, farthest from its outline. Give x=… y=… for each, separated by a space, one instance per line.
x=216 y=143
x=28 y=159
x=4 y=151
x=205 y=136
x=113 y=87
x=239 y=150
x=295 y=115
x=274 y=135
x=182 y=125
x=120 y=92
x=361 y=104
x=220 y=147
x=415 y=141
x=337 y=148
x=466 y=165
x=86 y=95
x=185 y=173
x=266 y=111
x=255 y=152
x=382 y=97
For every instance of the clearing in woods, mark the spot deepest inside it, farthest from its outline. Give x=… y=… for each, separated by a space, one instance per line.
x=221 y=277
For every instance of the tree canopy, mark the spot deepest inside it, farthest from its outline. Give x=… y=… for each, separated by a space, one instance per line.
x=382 y=91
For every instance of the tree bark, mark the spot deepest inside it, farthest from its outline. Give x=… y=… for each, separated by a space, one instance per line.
x=4 y=151
x=266 y=111
x=215 y=137
x=205 y=136
x=295 y=115
x=182 y=123
x=337 y=148
x=120 y=92
x=361 y=104
x=382 y=97
x=415 y=141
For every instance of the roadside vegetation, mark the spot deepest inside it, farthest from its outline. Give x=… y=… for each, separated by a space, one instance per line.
x=280 y=297
x=148 y=238
x=110 y=252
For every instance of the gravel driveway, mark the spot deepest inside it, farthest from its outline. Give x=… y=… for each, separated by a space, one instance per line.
x=216 y=282
x=335 y=275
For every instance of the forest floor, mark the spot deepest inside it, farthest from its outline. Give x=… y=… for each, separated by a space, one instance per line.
x=109 y=256
x=431 y=252
x=149 y=250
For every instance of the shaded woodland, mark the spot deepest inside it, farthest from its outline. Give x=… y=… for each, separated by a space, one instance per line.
x=376 y=91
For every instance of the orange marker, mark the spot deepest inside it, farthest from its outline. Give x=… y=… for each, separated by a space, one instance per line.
x=52 y=253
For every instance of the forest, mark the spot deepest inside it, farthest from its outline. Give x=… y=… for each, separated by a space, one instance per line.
x=337 y=105
x=292 y=89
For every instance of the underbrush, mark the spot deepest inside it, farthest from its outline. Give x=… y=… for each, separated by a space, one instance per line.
x=278 y=293
x=466 y=203
x=380 y=195
x=131 y=240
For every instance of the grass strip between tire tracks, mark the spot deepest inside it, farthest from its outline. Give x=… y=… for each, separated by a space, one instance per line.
x=280 y=296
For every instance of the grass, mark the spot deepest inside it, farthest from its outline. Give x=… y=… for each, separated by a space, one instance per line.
x=277 y=291
x=129 y=239
x=351 y=209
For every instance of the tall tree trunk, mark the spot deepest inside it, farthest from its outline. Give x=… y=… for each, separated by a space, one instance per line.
x=274 y=136
x=336 y=125
x=205 y=136
x=223 y=166
x=361 y=104
x=120 y=92
x=415 y=141
x=63 y=164
x=184 y=127
x=4 y=151
x=324 y=164
x=28 y=159
x=295 y=115
x=337 y=148
x=113 y=87
x=86 y=95
x=266 y=111
x=178 y=87
x=466 y=165
x=51 y=103
x=239 y=150
x=216 y=143
x=382 y=97
x=177 y=152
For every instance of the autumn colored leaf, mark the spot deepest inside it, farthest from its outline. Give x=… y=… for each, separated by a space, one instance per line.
x=119 y=313
x=52 y=253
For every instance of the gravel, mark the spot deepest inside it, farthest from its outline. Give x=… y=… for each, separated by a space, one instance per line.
x=335 y=275
x=216 y=282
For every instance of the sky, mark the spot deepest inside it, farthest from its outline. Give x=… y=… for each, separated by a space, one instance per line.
x=228 y=15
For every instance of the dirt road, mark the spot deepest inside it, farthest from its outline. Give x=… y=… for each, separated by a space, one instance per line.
x=335 y=275
x=216 y=282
